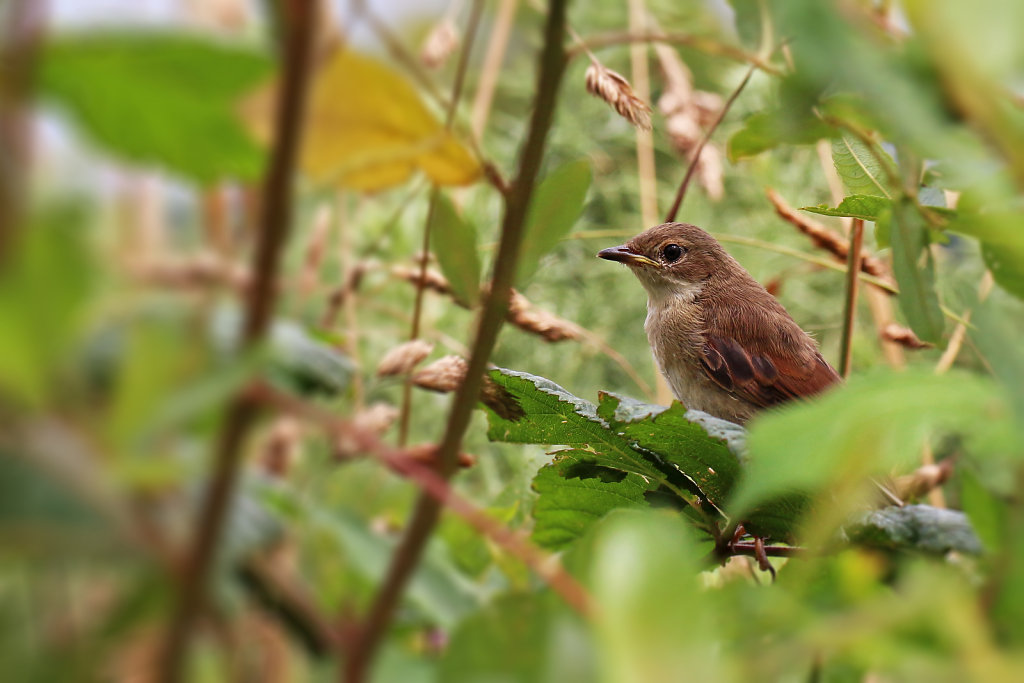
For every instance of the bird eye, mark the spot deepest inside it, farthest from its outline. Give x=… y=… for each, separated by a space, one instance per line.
x=672 y=252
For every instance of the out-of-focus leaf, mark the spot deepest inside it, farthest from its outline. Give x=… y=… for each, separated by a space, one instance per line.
x=453 y=241
x=914 y=268
x=1001 y=238
x=43 y=286
x=870 y=424
x=574 y=491
x=865 y=207
x=164 y=99
x=520 y=638
x=556 y=205
x=986 y=512
x=656 y=622
x=297 y=359
x=916 y=528
x=368 y=129
x=29 y=497
x=765 y=130
x=859 y=169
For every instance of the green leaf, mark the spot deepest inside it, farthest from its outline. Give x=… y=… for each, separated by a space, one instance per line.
x=539 y=411
x=44 y=286
x=909 y=237
x=1002 y=242
x=453 y=241
x=859 y=169
x=767 y=130
x=298 y=360
x=162 y=98
x=555 y=207
x=574 y=491
x=658 y=622
x=675 y=436
x=520 y=638
x=865 y=207
x=985 y=511
x=870 y=424
x=917 y=528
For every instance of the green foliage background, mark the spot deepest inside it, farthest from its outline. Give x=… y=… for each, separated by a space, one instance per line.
x=113 y=379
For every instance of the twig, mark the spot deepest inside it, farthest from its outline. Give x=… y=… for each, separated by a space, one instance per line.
x=496 y=47
x=427 y=510
x=646 y=171
x=417 y=311
x=704 y=141
x=700 y=43
x=273 y=233
x=956 y=340
x=853 y=267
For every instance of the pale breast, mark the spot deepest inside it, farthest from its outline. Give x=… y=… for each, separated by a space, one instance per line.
x=675 y=333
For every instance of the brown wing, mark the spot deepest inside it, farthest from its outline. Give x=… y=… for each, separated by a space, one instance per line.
x=765 y=377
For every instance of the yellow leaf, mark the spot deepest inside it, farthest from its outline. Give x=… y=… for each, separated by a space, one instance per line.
x=368 y=129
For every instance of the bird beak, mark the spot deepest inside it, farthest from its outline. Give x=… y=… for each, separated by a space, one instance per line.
x=623 y=254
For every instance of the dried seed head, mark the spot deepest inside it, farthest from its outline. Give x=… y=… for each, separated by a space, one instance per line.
x=282 y=445
x=440 y=43
x=614 y=89
x=443 y=375
x=904 y=336
x=549 y=326
x=403 y=358
x=376 y=417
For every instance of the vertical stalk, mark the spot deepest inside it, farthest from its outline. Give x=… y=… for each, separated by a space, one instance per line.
x=492 y=316
x=274 y=221
x=853 y=260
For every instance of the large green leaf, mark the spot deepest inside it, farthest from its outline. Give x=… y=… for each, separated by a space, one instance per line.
x=574 y=491
x=161 y=98
x=872 y=424
x=555 y=206
x=1001 y=238
x=453 y=241
x=859 y=169
x=919 y=528
x=914 y=268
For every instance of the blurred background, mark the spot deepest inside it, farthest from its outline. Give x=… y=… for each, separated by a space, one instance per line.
x=133 y=146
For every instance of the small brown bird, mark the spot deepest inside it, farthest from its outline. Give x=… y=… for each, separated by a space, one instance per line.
x=723 y=343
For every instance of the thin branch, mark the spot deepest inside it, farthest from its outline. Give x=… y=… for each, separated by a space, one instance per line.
x=497 y=45
x=417 y=311
x=674 y=210
x=699 y=43
x=427 y=510
x=853 y=267
x=273 y=233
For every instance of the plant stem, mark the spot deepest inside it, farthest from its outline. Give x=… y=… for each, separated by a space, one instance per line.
x=496 y=48
x=417 y=311
x=852 y=269
x=241 y=412
x=672 y=212
x=492 y=315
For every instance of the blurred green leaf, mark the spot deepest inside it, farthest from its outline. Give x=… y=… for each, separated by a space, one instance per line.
x=297 y=359
x=860 y=170
x=986 y=512
x=765 y=130
x=1002 y=241
x=520 y=638
x=574 y=491
x=159 y=98
x=872 y=423
x=44 y=286
x=865 y=207
x=556 y=205
x=656 y=622
x=917 y=528
x=914 y=268
x=453 y=241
